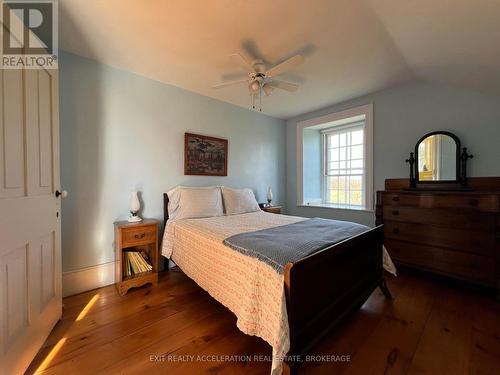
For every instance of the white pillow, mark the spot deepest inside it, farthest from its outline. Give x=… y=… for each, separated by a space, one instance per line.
x=174 y=196
x=194 y=202
x=239 y=201
x=173 y=202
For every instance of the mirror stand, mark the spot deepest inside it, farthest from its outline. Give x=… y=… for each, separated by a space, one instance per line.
x=438 y=163
x=463 y=166
x=411 y=161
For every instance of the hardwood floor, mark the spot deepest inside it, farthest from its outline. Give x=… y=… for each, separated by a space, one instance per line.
x=428 y=328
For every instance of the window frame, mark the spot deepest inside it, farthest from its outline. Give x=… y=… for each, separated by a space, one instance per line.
x=367 y=111
x=359 y=125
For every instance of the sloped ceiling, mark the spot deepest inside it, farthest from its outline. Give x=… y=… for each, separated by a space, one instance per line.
x=351 y=47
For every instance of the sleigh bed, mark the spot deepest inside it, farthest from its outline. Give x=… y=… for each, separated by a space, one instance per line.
x=292 y=310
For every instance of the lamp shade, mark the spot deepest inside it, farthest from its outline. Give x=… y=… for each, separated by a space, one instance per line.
x=269 y=194
x=135 y=205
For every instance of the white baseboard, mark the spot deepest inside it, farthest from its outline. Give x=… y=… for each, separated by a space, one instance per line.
x=78 y=281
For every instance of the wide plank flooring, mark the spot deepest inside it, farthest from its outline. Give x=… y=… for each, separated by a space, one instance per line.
x=429 y=327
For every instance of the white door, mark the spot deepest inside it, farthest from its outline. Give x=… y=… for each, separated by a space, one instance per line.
x=30 y=228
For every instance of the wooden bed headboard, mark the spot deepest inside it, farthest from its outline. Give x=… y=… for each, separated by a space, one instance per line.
x=165 y=208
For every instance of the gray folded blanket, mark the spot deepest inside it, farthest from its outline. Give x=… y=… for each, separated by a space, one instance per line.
x=288 y=243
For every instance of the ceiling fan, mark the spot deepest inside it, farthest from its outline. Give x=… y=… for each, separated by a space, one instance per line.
x=262 y=79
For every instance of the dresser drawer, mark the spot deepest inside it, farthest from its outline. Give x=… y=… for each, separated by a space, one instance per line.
x=471 y=267
x=473 y=201
x=472 y=241
x=138 y=235
x=455 y=218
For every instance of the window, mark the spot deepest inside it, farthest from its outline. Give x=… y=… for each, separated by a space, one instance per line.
x=334 y=160
x=344 y=166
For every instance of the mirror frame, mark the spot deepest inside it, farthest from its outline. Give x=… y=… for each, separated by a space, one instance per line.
x=458 y=178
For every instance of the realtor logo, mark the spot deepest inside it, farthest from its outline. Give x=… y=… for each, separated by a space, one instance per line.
x=29 y=34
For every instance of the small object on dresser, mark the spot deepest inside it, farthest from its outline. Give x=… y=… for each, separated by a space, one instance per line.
x=136 y=253
x=135 y=206
x=271 y=209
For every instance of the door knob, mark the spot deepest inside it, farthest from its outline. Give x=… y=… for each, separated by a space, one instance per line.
x=64 y=193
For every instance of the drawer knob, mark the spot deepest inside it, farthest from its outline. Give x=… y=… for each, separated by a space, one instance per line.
x=395 y=231
x=139 y=236
x=395 y=199
x=395 y=212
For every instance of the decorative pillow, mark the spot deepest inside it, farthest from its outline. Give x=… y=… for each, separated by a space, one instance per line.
x=194 y=202
x=239 y=201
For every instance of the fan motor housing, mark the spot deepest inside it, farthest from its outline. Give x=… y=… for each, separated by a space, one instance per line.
x=259 y=66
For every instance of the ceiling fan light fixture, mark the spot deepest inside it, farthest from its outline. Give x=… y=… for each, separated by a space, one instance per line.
x=268 y=89
x=254 y=86
x=259 y=79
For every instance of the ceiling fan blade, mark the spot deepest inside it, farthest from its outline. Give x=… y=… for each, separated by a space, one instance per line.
x=268 y=89
x=241 y=61
x=230 y=83
x=283 y=85
x=285 y=65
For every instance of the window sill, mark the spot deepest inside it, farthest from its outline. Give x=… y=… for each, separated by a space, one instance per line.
x=332 y=207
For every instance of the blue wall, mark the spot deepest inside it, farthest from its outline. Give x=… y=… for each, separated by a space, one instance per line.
x=312 y=164
x=121 y=132
x=401 y=116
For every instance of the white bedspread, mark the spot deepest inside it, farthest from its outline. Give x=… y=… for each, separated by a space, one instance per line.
x=251 y=289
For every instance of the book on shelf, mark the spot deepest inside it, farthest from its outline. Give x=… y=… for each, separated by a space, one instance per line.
x=136 y=262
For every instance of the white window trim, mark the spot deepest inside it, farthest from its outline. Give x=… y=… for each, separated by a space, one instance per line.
x=324 y=179
x=367 y=111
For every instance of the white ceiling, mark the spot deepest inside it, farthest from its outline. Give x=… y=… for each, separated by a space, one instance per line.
x=351 y=47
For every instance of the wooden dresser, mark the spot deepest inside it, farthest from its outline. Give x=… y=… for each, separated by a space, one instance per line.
x=453 y=233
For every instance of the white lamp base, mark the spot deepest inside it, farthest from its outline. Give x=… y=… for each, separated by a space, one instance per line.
x=134 y=219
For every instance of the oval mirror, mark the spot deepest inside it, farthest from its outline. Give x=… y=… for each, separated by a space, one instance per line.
x=437 y=157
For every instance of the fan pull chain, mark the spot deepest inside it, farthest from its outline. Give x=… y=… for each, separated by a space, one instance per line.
x=260 y=98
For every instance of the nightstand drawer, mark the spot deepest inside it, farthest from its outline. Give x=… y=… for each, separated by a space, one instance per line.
x=138 y=235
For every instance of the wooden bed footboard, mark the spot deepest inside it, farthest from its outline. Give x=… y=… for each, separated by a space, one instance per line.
x=323 y=288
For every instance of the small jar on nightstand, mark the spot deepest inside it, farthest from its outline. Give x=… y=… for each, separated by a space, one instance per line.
x=272 y=209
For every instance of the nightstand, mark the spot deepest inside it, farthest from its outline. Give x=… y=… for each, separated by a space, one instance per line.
x=142 y=240
x=272 y=209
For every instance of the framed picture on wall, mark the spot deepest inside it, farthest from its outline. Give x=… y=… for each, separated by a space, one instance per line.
x=205 y=156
